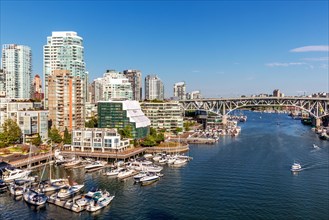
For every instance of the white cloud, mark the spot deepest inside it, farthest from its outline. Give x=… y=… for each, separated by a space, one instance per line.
x=324 y=66
x=315 y=48
x=285 y=64
x=316 y=59
x=195 y=71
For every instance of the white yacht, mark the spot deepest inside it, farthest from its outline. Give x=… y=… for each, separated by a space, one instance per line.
x=35 y=198
x=140 y=175
x=69 y=191
x=149 y=179
x=296 y=167
x=72 y=163
x=86 y=198
x=148 y=156
x=126 y=173
x=10 y=175
x=99 y=200
x=93 y=165
x=179 y=162
x=18 y=187
x=114 y=172
x=53 y=185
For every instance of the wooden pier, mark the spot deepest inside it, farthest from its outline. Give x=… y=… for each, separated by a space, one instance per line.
x=67 y=204
x=124 y=155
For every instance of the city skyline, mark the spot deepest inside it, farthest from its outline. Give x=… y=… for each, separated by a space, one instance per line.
x=220 y=48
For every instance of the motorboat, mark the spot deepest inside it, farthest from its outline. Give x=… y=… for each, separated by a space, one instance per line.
x=153 y=168
x=148 y=156
x=296 y=167
x=149 y=179
x=69 y=191
x=18 y=187
x=95 y=164
x=12 y=174
x=3 y=185
x=179 y=162
x=140 y=175
x=34 y=198
x=72 y=163
x=163 y=160
x=53 y=185
x=316 y=146
x=99 y=200
x=86 y=198
x=114 y=172
x=126 y=173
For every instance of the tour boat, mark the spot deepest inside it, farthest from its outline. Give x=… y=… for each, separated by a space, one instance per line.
x=126 y=173
x=296 y=167
x=99 y=200
x=69 y=191
x=93 y=165
x=149 y=179
x=34 y=198
x=10 y=175
x=53 y=185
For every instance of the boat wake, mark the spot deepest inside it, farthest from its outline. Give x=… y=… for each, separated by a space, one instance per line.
x=316 y=166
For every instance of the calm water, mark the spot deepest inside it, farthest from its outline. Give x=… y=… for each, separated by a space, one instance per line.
x=247 y=177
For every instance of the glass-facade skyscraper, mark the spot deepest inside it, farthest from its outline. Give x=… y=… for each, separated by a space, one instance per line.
x=64 y=51
x=17 y=70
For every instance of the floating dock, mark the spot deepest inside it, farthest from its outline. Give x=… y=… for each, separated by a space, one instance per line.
x=67 y=204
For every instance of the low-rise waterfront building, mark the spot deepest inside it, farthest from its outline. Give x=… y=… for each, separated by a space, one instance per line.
x=123 y=114
x=29 y=116
x=164 y=115
x=98 y=140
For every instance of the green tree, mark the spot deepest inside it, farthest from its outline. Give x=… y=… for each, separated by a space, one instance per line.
x=149 y=141
x=178 y=130
x=153 y=132
x=126 y=132
x=37 y=141
x=67 y=137
x=92 y=123
x=11 y=133
x=54 y=135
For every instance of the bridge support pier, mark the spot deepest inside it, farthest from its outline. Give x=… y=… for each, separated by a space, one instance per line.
x=317 y=122
x=224 y=119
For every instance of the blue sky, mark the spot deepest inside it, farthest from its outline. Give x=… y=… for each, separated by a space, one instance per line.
x=222 y=48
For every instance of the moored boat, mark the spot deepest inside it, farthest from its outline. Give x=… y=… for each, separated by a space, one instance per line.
x=93 y=165
x=12 y=174
x=34 y=198
x=3 y=185
x=53 y=185
x=113 y=172
x=126 y=173
x=149 y=179
x=99 y=200
x=69 y=191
